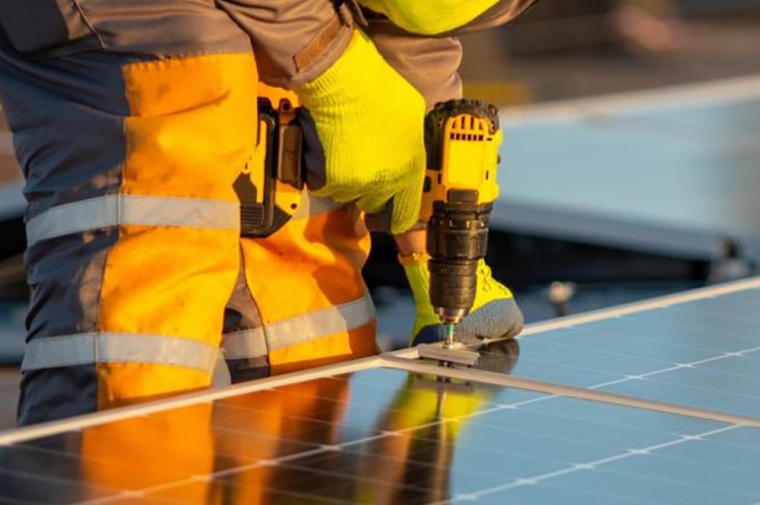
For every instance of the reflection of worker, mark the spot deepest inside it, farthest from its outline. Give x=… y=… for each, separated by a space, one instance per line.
x=439 y=411
x=132 y=121
x=167 y=454
x=242 y=432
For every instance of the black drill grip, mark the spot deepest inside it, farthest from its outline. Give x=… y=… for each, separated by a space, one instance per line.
x=453 y=284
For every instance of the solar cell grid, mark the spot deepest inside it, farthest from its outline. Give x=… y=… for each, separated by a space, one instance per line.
x=390 y=436
x=423 y=446
x=703 y=353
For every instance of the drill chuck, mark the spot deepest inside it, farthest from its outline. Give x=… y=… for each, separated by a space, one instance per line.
x=457 y=241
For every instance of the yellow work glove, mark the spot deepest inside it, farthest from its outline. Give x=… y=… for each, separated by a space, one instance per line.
x=364 y=124
x=494 y=316
x=430 y=17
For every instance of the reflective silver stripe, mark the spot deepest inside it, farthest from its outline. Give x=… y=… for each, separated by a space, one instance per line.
x=314 y=206
x=221 y=376
x=258 y=342
x=321 y=323
x=245 y=344
x=114 y=210
x=91 y=348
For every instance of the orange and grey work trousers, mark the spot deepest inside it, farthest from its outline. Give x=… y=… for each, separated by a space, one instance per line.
x=131 y=131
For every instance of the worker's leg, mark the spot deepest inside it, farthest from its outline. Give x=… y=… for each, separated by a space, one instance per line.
x=130 y=149
x=318 y=309
x=244 y=344
x=311 y=304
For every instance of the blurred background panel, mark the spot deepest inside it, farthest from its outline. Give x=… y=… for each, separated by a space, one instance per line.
x=629 y=168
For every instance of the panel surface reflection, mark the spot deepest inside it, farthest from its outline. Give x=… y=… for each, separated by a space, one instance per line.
x=389 y=437
x=704 y=353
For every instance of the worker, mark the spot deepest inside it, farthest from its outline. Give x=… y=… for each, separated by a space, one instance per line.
x=131 y=122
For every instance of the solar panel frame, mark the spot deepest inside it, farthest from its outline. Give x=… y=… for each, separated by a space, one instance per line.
x=404 y=359
x=701 y=352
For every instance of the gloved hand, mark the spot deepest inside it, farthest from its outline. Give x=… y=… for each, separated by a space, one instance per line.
x=364 y=135
x=494 y=315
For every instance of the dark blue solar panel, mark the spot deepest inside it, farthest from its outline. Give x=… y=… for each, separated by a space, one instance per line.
x=389 y=437
x=386 y=436
x=704 y=353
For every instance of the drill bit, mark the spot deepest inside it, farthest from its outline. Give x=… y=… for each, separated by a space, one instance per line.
x=449 y=342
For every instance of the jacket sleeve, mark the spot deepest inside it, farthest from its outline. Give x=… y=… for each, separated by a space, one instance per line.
x=446 y=17
x=294 y=41
x=431 y=64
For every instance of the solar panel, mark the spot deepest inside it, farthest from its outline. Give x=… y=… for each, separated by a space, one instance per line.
x=665 y=147
x=393 y=430
x=704 y=353
x=386 y=436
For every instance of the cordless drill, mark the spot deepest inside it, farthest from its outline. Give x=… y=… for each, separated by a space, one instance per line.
x=462 y=138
